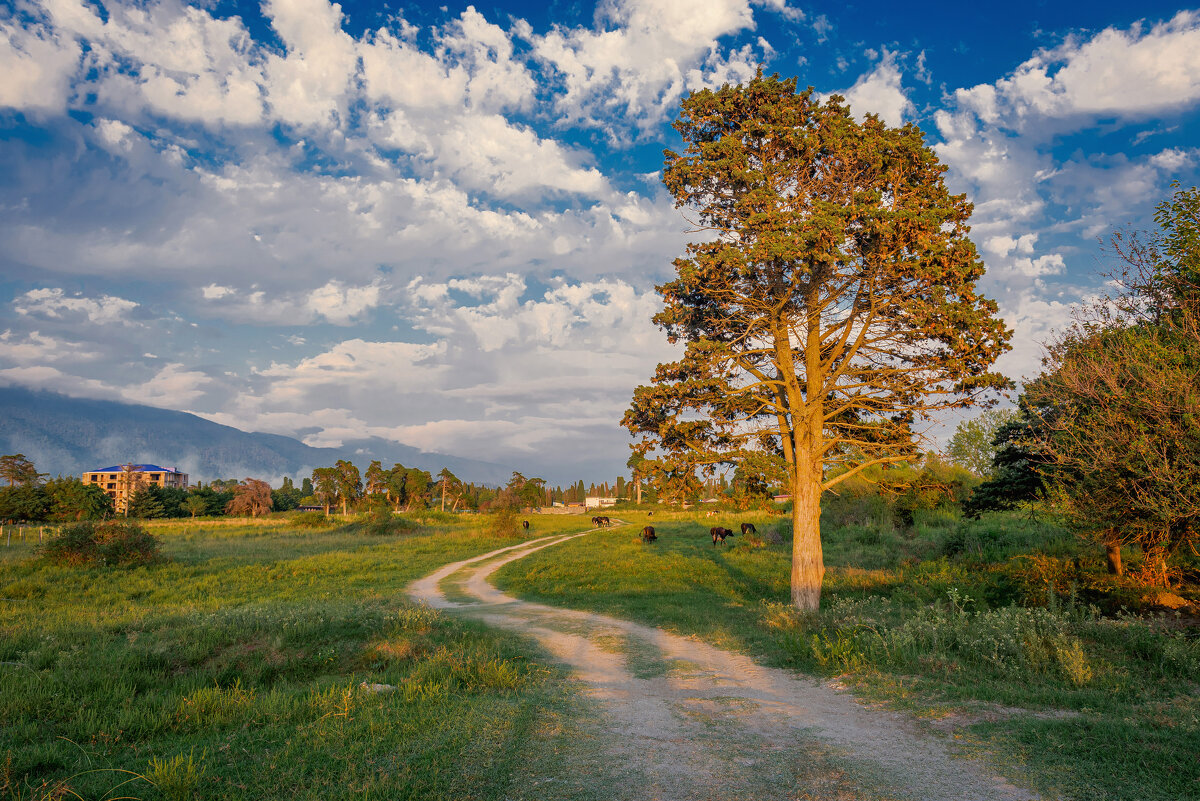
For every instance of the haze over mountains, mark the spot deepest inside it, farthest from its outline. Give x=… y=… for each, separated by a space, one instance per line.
x=65 y=435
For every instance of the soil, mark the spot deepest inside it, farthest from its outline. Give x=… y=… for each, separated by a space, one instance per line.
x=672 y=718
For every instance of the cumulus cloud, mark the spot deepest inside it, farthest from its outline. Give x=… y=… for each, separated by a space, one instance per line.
x=55 y=303
x=880 y=92
x=641 y=57
x=37 y=65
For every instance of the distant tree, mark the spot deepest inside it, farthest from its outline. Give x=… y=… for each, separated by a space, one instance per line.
x=195 y=505
x=349 y=483
x=306 y=487
x=285 y=499
x=418 y=488
x=973 y=444
x=251 y=497
x=326 y=485
x=24 y=502
x=451 y=487
x=832 y=306
x=19 y=471
x=71 y=499
x=376 y=479
x=145 y=504
x=214 y=502
x=1016 y=473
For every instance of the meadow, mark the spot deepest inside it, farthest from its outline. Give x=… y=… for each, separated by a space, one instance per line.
x=1005 y=633
x=235 y=670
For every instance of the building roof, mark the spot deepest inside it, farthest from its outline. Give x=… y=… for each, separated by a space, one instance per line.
x=137 y=468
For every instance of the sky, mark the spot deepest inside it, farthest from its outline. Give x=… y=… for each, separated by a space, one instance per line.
x=444 y=224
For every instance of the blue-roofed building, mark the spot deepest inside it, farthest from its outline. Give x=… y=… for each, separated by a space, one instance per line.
x=121 y=481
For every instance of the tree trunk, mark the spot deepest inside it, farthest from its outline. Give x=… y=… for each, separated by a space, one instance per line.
x=808 y=561
x=1114 y=559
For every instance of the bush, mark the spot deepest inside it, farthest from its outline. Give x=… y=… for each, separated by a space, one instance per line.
x=111 y=543
x=310 y=520
x=504 y=522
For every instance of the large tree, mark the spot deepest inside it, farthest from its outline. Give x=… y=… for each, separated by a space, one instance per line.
x=830 y=308
x=1116 y=414
x=251 y=497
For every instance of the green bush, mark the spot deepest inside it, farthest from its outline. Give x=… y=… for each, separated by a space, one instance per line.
x=310 y=520
x=109 y=543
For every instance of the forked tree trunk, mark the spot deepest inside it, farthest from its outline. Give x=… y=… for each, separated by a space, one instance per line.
x=808 y=561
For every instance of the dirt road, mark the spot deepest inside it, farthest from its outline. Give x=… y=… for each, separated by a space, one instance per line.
x=679 y=720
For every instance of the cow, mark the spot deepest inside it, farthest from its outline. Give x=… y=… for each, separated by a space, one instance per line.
x=748 y=528
x=596 y=521
x=719 y=533
x=648 y=534
x=525 y=525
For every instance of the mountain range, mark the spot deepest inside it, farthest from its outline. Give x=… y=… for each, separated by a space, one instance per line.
x=67 y=436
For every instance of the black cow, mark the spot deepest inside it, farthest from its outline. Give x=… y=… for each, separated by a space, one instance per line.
x=525 y=525
x=748 y=528
x=719 y=533
x=648 y=534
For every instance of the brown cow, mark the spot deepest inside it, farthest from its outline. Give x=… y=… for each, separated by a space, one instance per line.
x=748 y=528
x=648 y=534
x=719 y=533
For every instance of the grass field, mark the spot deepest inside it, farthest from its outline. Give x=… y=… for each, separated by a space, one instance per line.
x=951 y=619
x=234 y=670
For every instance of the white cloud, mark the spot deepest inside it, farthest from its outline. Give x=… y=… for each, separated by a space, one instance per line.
x=1174 y=159
x=310 y=85
x=880 y=92
x=37 y=65
x=172 y=387
x=55 y=303
x=340 y=304
x=36 y=348
x=642 y=56
x=1125 y=72
x=216 y=292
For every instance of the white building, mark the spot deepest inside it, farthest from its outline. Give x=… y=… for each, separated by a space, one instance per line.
x=596 y=502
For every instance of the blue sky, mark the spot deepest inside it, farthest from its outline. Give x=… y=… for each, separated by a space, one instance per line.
x=443 y=224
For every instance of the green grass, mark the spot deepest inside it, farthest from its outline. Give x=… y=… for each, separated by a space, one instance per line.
x=992 y=620
x=233 y=670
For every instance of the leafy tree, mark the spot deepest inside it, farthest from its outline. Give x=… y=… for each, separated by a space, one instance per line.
x=251 y=497
x=286 y=498
x=1117 y=412
x=195 y=505
x=973 y=444
x=19 y=471
x=25 y=502
x=833 y=308
x=214 y=502
x=349 y=483
x=306 y=487
x=376 y=479
x=326 y=485
x=418 y=488
x=71 y=499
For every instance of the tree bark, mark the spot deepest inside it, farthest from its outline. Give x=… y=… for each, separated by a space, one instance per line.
x=808 y=561
x=1114 y=559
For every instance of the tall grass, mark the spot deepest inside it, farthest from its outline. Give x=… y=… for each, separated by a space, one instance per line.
x=236 y=669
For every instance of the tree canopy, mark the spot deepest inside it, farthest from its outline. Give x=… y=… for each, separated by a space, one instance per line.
x=830 y=306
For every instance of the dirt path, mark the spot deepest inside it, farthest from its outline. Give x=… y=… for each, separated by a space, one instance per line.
x=683 y=720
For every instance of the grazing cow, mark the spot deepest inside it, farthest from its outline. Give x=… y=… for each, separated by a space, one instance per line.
x=525 y=525
x=748 y=528
x=604 y=521
x=719 y=533
x=596 y=521
x=648 y=534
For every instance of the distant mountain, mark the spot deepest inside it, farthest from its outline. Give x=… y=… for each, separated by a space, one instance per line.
x=71 y=435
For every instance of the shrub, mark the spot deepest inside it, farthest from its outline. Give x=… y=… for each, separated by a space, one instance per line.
x=504 y=522
x=110 y=543
x=310 y=520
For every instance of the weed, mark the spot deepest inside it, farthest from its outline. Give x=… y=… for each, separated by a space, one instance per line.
x=177 y=778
